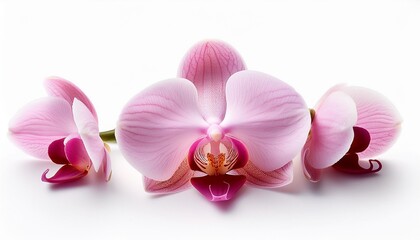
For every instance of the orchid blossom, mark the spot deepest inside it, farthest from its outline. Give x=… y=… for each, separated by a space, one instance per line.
x=64 y=128
x=349 y=123
x=216 y=127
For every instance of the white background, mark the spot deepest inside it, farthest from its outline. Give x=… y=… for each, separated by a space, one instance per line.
x=114 y=49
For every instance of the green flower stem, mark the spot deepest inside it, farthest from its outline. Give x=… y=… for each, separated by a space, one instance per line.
x=108 y=136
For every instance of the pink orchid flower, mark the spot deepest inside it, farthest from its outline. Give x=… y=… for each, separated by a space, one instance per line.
x=64 y=128
x=349 y=123
x=216 y=127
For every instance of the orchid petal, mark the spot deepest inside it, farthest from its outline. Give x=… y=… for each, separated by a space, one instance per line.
x=89 y=132
x=208 y=65
x=311 y=173
x=39 y=123
x=77 y=155
x=66 y=173
x=157 y=127
x=106 y=166
x=218 y=188
x=178 y=182
x=332 y=131
x=268 y=116
x=378 y=116
x=59 y=87
x=274 y=179
x=56 y=152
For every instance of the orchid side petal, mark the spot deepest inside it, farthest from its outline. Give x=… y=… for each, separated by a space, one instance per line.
x=106 y=166
x=218 y=188
x=268 y=116
x=378 y=116
x=77 y=155
x=56 y=152
x=66 y=173
x=89 y=132
x=208 y=65
x=59 y=87
x=157 y=127
x=332 y=130
x=180 y=181
x=274 y=179
x=39 y=123
x=311 y=173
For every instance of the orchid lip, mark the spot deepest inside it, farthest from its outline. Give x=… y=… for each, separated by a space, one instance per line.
x=350 y=162
x=219 y=188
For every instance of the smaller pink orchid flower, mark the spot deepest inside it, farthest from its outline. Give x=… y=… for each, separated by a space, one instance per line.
x=349 y=123
x=215 y=128
x=64 y=128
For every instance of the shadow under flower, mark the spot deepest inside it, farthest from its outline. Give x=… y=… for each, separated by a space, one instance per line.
x=333 y=181
x=227 y=206
x=223 y=206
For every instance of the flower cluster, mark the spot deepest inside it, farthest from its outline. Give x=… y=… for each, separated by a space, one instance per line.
x=215 y=127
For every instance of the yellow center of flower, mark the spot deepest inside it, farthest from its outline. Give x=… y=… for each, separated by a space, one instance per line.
x=215 y=158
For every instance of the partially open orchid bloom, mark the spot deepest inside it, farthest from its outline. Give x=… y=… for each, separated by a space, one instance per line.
x=216 y=128
x=64 y=128
x=349 y=123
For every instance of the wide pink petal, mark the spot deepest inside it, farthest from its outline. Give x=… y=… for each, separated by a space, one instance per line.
x=218 y=188
x=66 y=173
x=39 y=123
x=178 y=182
x=378 y=116
x=311 y=173
x=89 y=132
x=273 y=179
x=208 y=65
x=268 y=116
x=59 y=87
x=77 y=155
x=332 y=130
x=157 y=127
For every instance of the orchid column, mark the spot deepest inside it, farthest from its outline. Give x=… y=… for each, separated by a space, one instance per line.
x=217 y=127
